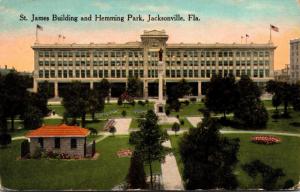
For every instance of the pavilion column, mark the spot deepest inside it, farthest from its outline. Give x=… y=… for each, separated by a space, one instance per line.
x=56 y=89
x=91 y=85
x=199 y=89
x=35 y=86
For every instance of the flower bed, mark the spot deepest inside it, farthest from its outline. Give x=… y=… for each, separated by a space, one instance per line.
x=124 y=153
x=265 y=139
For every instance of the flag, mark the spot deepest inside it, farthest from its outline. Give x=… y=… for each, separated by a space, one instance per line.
x=59 y=36
x=274 y=28
x=39 y=27
x=242 y=37
x=247 y=35
x=63 y=37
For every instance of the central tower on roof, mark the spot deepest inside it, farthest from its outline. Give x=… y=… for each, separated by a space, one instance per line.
x=154 y=38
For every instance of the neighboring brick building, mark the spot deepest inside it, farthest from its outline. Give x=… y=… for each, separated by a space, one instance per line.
x=59 y=139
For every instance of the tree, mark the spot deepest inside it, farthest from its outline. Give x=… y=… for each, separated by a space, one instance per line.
x=213 y=158
x=32 y=117
x=269 y=174
x=184 y=88
x=286 y=92
x=276 y=101
x=15 y=92
x=46 y=90
x=136 y=177
x=120 y=101
x=221 y=95
x=176 y=127
x=112 y=130
x=104 y=88
x=148 y=141
x=75 y=101
x=249 y=110
x=5 y=139
x=95 y=102
x=134 y=87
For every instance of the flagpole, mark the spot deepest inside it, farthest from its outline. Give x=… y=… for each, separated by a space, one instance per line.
x=36 y=35
x=270 y=35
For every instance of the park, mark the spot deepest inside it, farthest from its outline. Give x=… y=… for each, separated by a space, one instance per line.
x=182 y=115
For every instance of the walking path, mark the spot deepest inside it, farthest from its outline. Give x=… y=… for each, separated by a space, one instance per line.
x=170 y=173
x=122 y=125
x=194 y=120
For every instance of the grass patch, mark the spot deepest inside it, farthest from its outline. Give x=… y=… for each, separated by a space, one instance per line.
x=189 y=110
x=284 y=155
x=104 y=173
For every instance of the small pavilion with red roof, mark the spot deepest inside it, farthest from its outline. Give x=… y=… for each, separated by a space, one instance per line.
x=62 y=138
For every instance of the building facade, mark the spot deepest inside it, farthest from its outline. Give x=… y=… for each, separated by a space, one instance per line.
x=283 y=74
x=59 y=139
x=197 y=63
x=295 y=60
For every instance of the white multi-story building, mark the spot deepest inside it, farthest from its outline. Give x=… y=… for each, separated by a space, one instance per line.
x=197 y=63
x=295 y=60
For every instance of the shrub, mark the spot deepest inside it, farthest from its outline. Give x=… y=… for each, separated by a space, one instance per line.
x=25 y=149
x=112 y=130
x=147 y=101
x=181 y=122
x=5 y=139
x=168 y=112
x=37 y=154
x=124 y=113
x=193 y=99
x=132 y=103
x=142 y=103
x=186 y=102
x=120 y=101
x=177 y=116
x=288 y=184
x=175 y=127
x=93 y=131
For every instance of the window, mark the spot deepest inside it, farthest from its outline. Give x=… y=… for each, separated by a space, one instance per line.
x=57 y=143
x=41 y=142
x=73 y=143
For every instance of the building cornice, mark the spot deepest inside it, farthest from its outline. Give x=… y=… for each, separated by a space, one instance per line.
x=138 y=45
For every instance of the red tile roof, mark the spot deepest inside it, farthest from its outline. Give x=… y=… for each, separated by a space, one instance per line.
x=58 y=131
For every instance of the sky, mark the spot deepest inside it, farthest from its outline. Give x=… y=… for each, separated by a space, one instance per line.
x=223 y=21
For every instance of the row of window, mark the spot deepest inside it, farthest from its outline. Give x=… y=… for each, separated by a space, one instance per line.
x=73 y=143
x=209 y=73
x=88 y=54
x=219 y=54
x=113 y=54
x=151 y=73
x=155 y=63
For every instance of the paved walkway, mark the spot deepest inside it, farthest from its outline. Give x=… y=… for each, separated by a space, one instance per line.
x=194 y=120
x=122 y=125
x=168 y=120
x=170 y=173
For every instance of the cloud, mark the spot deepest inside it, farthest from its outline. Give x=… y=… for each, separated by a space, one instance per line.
x=150 y=8
x=102 y=5
x=6 y=10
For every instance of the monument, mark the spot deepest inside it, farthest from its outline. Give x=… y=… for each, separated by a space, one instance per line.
x=160 y=104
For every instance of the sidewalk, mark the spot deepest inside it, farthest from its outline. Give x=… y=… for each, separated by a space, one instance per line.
x=170 y=173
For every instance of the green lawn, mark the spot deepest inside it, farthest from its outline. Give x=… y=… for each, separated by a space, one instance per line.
x=96 y=124
x=291 y=125
x=189 y=110
x=285 y=155
x=112 y=110
x=104 y=173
